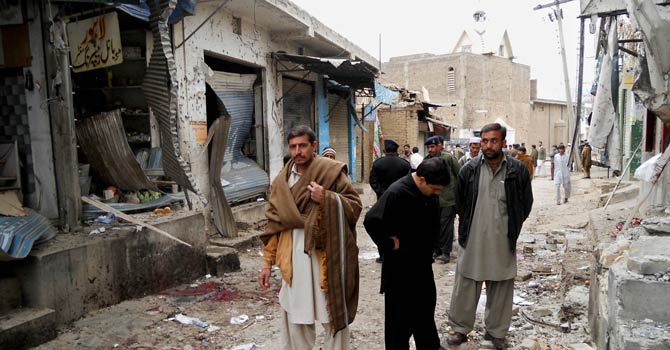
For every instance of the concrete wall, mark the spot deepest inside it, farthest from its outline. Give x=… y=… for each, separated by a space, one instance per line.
x=251 y=48
x=548 y=123
x=78 y=274
x=487 y=88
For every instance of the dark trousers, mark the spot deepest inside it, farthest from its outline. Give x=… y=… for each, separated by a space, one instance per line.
x=409 y=307
x=445 y=241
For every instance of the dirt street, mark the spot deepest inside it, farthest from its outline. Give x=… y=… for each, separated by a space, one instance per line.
x=550 y=302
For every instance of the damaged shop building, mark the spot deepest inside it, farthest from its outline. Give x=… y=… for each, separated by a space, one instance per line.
x=630 y=130
x=132 y=131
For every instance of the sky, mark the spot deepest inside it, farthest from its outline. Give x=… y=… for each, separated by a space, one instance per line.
x=434 y=26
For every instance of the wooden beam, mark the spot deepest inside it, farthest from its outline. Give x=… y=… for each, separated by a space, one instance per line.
x=124 y=216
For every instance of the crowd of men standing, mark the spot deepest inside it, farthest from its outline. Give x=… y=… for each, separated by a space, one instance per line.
x=311 y=236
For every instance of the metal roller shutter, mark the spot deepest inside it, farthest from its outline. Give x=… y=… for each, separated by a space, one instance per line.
x=298 y=104
x=339 y=127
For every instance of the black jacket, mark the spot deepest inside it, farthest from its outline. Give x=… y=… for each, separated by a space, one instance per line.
x=403 y=211
x=386 y=170
x=518 y=191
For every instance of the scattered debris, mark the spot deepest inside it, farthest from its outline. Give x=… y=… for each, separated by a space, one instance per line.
x=183 y=319
x=239 y=319
x=244 y=346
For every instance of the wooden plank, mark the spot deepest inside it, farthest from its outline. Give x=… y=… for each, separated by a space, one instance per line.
x=130 y=219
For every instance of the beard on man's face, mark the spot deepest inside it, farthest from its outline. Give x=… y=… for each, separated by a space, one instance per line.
x=492 y=153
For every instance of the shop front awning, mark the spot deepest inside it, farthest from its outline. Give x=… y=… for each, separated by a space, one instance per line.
x=353 y=73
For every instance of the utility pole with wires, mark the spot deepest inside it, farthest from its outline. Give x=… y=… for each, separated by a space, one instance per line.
x=557 y=14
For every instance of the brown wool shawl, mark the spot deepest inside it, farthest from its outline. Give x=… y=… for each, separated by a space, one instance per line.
x=293 y=208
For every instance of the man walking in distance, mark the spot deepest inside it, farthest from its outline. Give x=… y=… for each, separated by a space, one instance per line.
x=415 y=159
x=407 y=275
x=387 y=169
x=494 y=197
x=311 y=237
x=541 y=157
x=445 y=241
x=474 y=151
x=526 y=160
x=586 y=159
x=562 y=174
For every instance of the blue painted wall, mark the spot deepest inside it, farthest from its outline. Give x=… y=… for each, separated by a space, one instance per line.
x=322 y=112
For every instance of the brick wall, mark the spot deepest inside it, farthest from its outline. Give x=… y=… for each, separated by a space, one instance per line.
x=487 y=88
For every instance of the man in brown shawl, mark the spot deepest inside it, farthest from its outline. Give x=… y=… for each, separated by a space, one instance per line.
x=311 y=237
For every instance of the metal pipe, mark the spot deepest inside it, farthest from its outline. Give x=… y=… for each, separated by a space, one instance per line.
x=623 y=174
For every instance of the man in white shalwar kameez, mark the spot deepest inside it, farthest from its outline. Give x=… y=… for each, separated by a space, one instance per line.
x=562 y=174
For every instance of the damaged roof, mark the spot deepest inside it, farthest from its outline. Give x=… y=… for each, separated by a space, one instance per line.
x=354 y=73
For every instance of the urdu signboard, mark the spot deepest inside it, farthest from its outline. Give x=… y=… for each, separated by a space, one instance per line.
x=95 y=42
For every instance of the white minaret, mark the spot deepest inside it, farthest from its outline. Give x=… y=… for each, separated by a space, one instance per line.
x=480 y=27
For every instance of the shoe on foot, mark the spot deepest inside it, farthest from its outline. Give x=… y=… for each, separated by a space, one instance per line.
x=379 y=260
x=558 y=203
x=456 y=338
x=565 y=200
x=498 y=343
x=442 y=259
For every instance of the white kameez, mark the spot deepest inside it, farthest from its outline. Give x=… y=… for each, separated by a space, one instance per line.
x=303 y=301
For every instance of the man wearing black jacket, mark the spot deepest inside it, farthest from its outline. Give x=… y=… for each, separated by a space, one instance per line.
x=493 y=199
x=387 y=169
x=407 y=275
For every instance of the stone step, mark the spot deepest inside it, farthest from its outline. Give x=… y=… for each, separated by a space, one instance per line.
x=27 y=327
x=634 y=297
x=10 y=294
x=246 y=240
x=221 y=260
x=640 y=335
x=621 y=195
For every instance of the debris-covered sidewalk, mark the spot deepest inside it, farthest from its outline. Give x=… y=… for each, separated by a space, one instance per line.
x=231 y=312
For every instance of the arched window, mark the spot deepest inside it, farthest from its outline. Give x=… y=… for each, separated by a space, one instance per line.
x=451 y=80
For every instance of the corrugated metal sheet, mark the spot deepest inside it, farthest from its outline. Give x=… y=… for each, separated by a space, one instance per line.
x=355 y=74
x=242 y=177
x=19 y=233
x=339 y=126
x=298 y=104
x=141 y=11
x=103 y=141
x=160 y=90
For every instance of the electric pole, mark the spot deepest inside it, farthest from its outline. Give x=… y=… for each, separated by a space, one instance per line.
x=558 y=14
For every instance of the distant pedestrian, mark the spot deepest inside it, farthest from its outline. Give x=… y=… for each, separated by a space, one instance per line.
x=515 y=150
x=562 y=174
x=387 y=169
x=415 y=159
x=311 y=231
x=475 y=146
x=494 y=197
x=407 y=280
x=329 y=153
x=534 y=155
x=586 y=160
x=554 y=152
x=541 y=157
x=445 y=242
x=406 y=152
x=526 y=160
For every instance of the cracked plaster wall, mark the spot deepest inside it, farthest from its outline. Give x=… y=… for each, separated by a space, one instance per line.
x=252 y=48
